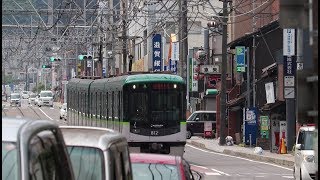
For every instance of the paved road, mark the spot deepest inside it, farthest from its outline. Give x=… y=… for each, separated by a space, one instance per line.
x=210 y=165
x=215 y=166
x=28 y=111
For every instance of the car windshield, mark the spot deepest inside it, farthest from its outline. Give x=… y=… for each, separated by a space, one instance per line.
x=9 y=161
x=32 y=95
x=308 y=140
x=143 y=171
x=46 y=94
x=87 y=162
x=15 y=96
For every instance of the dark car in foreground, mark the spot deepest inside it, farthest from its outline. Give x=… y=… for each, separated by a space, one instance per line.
x=35 y=150
x=159 y=166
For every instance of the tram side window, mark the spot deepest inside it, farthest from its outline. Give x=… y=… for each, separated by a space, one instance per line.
x=120 y=106
x=106 y=106
x=99 y=99
x=115 y=111
x=109 y=106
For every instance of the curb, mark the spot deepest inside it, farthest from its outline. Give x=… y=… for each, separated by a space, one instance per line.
x=280 y=162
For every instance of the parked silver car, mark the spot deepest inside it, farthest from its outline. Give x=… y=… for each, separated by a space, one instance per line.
x=34 y=149
x=98 y=153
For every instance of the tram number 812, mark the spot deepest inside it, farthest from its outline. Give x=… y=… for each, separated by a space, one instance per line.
x=154 y=133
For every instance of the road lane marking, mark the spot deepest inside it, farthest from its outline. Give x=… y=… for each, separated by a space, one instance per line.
x=45 y=114
x=289 y=177
x=212 y=174
x=275 y=165
x=220 y=172
x=199 y=166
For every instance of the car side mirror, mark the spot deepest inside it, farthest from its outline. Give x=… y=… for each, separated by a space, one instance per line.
x=298 y=146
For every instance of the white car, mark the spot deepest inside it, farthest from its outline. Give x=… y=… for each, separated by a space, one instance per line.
x=25 y=94
x=63 y=111
x=46 y=98
x=304 y=154
x=32 y=98
x=15 y=99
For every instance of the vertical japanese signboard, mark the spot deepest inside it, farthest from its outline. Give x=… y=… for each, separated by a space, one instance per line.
x=240 y=57
x=289 y=63
x=264 y=126
x=251 y=125
x=194 y=87
x=173 y=66
x=156 y=55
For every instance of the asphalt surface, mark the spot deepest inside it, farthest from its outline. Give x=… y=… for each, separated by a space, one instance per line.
x=213 y=166
x=205 y=164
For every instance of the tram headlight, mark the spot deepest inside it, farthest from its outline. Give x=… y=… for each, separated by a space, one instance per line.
x=134 y=86
x=174 y=86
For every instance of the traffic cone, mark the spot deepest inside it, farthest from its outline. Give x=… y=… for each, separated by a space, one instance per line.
x=280 y=145
x=283 y=147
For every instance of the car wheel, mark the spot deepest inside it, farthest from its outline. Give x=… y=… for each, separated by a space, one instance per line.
x=189 y=134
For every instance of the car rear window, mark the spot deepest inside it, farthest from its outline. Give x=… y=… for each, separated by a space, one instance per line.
x=87 y=163
x=9 y=161
x=146 y=171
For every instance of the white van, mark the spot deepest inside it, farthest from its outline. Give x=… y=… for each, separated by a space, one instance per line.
x=46 y=98
x=304 y=154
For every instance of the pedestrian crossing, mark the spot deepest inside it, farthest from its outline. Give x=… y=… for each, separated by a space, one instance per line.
x=210 y=173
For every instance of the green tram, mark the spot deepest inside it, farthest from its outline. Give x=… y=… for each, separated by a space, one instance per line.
x=148 y=109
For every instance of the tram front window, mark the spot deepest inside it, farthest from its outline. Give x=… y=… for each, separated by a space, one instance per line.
x=154 y=110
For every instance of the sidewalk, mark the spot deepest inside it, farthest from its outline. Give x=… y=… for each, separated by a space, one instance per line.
x=245 y=152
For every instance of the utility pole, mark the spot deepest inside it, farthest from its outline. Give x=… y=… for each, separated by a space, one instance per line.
x=223 y=74
x=183 y=37
x=124 y=36
x=253 y=54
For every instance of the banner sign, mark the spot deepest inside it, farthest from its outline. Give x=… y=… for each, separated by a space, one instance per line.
x=264 y=126
x=241 y=57
x=173 y=66
x=156 y=55
x=250 y=126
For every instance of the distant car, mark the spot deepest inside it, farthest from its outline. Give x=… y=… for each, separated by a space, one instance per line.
x=32 y=98
x=15 y=99
x=4 y=97
x=159 y=166
x=25 y=94
x=34 y=149
x=46 y=98
x=196 y=121
x=304 y=154
x=63 y=111
x=97 y=153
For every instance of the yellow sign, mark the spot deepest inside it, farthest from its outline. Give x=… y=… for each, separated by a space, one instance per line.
x=138 y=65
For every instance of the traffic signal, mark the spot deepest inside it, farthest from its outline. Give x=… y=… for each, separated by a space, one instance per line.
x=84 y=57
x=52 y=59
x=46 y=66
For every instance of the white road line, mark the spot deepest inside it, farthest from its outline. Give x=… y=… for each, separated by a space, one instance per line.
x=220 y=172
x=212 y=174
x=199 y=166
x=45 y=114
x=239 y=158
x=289 y=177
